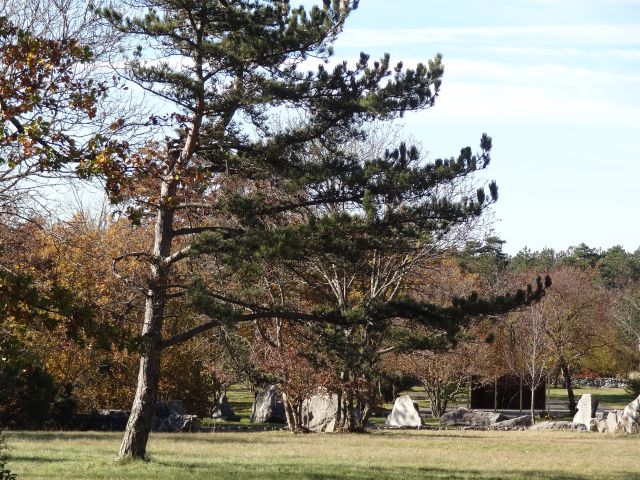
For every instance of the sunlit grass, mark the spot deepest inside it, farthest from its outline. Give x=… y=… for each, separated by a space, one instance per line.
x=274 y=455
x=610 y=398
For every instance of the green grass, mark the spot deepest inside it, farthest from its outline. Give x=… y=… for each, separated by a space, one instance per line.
x=610 y=398
x=456 y=455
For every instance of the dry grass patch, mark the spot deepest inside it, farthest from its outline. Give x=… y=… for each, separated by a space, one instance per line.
x=422 y=454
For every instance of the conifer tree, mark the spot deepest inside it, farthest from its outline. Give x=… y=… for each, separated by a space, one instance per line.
x=225 y=185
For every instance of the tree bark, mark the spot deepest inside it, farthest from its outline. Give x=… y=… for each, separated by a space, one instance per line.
x=533 y=404
x=134 y=443
x=566 y=374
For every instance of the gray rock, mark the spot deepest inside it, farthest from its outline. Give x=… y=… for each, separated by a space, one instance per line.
x=600 y=382
x=559 y=425
x=319 y=412
x=587 y=406
x=268 y=407
x=405 y=413
x=223 y=412
x=166 y=419
x=613 y=421
x=178 y=423
x=518 y=423
x=601 y=426
x=473 y=418
x=630 y=418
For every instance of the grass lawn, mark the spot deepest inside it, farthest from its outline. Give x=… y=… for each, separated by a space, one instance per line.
x=422 y=454
x=610 y=398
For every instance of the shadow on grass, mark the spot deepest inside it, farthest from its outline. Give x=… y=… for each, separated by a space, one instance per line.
x=67 y=436
x=275 y=471
x=34 y=459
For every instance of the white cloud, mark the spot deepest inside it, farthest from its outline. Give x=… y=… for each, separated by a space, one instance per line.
x=575 y=35
x=463 y=102
x=565 y=52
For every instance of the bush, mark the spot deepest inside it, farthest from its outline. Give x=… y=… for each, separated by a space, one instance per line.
x=5 y=473
x=634 y=386
x=28 y=394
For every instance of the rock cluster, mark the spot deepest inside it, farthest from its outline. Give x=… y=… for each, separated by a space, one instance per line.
x=600 y=382
x=518 y=423
x=587 y=419
x=472 y=418
x=627 y=420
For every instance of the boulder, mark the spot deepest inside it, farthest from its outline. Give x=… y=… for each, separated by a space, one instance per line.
x=319 y=412
x=268 y=407
x=518 y=423
x=472 y=418
x=630 y=419
x=559 y=425
x=587 y=406
x=627 y=420
x=601 y=426
x=222 y=412
x=166 y=419
x=613 y=421
x=405 y=413
x=178 y=423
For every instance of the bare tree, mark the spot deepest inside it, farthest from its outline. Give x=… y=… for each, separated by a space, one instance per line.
x=528 y=352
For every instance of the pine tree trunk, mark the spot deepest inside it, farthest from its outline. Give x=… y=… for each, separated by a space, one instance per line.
x=134 y=443
x=566 y=374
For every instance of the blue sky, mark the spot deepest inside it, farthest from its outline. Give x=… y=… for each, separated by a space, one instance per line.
x=556 y=83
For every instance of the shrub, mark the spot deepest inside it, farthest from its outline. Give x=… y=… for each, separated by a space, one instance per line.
x=5 y=473
x=28 y=394
x=634 y=386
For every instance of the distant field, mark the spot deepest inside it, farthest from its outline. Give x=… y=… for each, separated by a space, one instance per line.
x=456 y=455
x=610 y=398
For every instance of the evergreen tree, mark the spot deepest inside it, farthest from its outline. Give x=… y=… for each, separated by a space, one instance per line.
x=237 y=192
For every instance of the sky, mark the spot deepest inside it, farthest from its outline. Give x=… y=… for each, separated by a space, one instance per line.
x=555 y=83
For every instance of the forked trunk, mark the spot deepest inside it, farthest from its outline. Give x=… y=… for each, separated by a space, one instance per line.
x=293 y=412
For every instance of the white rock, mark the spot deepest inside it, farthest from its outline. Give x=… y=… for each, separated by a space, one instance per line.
x=405 y=413
x=613 y=421
x=319 y=412
x=630 y=420
x=587 y=406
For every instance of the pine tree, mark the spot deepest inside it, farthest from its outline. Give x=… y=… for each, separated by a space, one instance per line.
x=233 y=187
